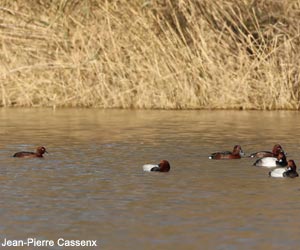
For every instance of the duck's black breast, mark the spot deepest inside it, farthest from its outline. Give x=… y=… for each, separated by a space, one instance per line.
x=155 y=169
x=282 y=163
x=290 y=174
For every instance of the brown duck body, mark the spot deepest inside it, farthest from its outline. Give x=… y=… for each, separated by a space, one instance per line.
x=38 y=154
x=227 y=155
x=275 y=152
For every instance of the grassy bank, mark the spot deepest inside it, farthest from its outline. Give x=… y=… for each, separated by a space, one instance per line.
x=168 y=54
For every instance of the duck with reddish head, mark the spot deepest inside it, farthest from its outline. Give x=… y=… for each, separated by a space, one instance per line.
x=275 y=152
x=38 y=154
x=290 y=171
x=163 y=166
x=271 y=162
x=237 y=153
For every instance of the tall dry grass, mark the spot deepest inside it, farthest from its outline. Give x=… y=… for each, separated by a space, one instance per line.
x=169 y=54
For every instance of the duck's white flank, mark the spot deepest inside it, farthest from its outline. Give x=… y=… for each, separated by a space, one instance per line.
x=278 y=172
x=269 y=162
x=148 y=167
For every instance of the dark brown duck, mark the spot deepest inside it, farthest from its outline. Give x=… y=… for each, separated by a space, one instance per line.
x=38 y=154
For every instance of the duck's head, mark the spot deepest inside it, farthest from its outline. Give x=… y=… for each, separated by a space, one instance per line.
x=237 y=150
x=291 y=165
x=164 y=166
x=281 y=156
x=41 y=150
x=277 y=149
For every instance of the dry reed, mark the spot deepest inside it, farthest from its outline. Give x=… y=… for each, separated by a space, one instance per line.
x=164 y=54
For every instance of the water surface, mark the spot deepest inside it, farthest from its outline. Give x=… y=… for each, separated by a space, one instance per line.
x=91 y=184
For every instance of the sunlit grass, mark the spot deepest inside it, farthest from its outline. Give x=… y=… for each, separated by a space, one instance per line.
x=161 y=54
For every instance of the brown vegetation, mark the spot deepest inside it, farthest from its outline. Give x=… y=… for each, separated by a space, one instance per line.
x=168 y=54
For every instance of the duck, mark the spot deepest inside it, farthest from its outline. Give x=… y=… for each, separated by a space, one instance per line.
x=38 y=154
x=236 y=153
x=163 y=166
x=289 y=171
x=275 y=151
x=270 y=162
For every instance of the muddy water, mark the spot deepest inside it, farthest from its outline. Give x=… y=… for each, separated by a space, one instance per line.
x=91 y=186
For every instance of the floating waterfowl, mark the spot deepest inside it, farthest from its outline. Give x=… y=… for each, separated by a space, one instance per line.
x=163 y=166
x=275 y=151
x=270 y=162
x=237 y=153
x=289 y=171
x=38 y=154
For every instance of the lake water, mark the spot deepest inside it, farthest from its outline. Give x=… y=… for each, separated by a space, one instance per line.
x=91 y=185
